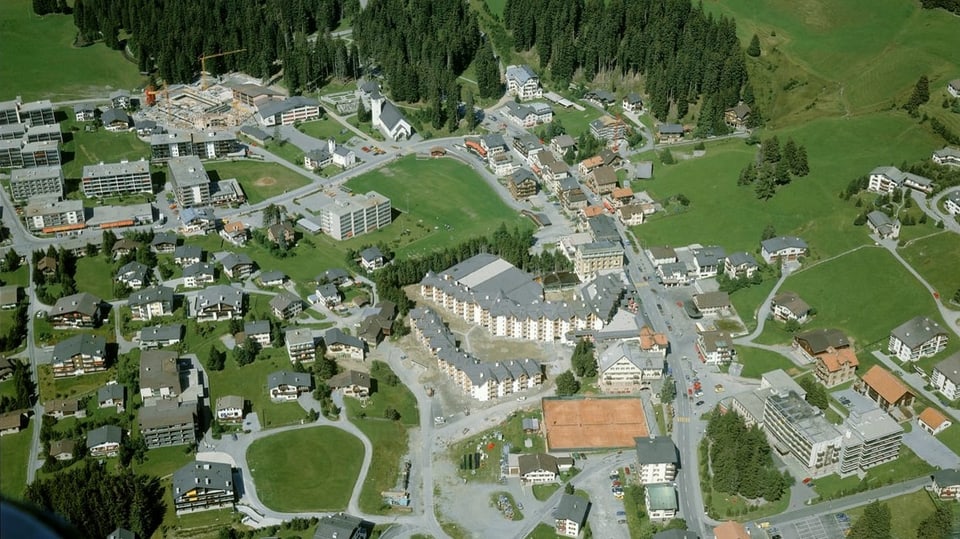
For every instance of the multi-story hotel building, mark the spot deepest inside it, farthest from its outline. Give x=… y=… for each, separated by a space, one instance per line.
x=347 y=216
x=26 y=183
x=108 y=179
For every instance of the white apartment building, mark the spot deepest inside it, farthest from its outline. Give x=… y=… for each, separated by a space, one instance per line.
x=26 y=183
x=108 y=179
x=345 y=216
x=917 y=338
x=523 y=82
x=191 y=185
x=657 y=459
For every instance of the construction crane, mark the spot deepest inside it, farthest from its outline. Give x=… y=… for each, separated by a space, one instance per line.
x=203 y=65
x=151 y=94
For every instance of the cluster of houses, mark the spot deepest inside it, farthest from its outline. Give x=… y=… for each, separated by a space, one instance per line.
x=709 y=261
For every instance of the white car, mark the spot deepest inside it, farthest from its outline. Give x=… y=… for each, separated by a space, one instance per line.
x=522 y=398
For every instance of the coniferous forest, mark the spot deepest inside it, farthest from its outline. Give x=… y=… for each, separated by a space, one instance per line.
x=683 y=53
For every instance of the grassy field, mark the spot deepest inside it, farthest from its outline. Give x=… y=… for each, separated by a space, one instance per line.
x=73 y=386
x=389 y=439
x=907 y=466
x=908 y=511
x=95 y=275
x=332 y=458
x=250 y=382
x=931 y=258
x=468 y=204
x=287 y=151
x=326 y=129
x=163 y=461
x=397 y=397
x=576 y=122
x=82 y=148
x=496 y=6
x=260 y=181
x=19 y=277
x=757 y=361
x=15 y=449
x=68 y=73
x=836 y=289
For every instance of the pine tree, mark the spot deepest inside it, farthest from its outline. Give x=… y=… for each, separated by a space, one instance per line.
x=766 y=186
x=754 y=48
x=802 y=168
x=748 y=175
x=488 y=72
x=468 y=110
x=567 y=384
x=771 y=150
x=874 y=523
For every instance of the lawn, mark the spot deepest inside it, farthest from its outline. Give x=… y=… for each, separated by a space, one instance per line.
x=837 y=290
x=908 y=511
x=326 y=129
x=82 y=148
x=15 y=449
x=907 y=466
x=287 y=151
x=19 y=277
x=68 y=73
x=469 y=206
x=929 y=257
x=260 y=181
x=250 y=382
x=95 y=275
x=331 y=457
x=757 y=361
x=397 y=397
x=543 y=531
x=389 y=439
x=496 y=6
x=575 y=122
x=73 y=386
x=544 y=491
x=747 y=300
x=163 y=461
x=839 y=150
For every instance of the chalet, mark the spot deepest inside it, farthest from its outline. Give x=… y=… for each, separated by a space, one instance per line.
x=235 y=232
x=229 y=409
x=134 y=275
x=737 y=117
x=739 y=265
x=300 y=344
x=708 y=261
x=951 y=203
x=351 y=383
x=946 y=483
x=787 y=306
x=61 y=408
x=198 y=221
x=164 y=242
x=601 y=98
x=527 y=116
x=522 y=184
x=371 y=258
x=286 y=306
x=201 y=486
x=105 y=441
x=570 y=515
x=946 y=156
x=158 y=336
x=216 y=303
x=198 y=274
x=716 y=347
x=625 y=367
x=523 y=82
x=379 y=324
x=78 y=355
x=116 y=120
x=259 y=331
x=608 y=128
x=885 y=180
x=883 y=388
x=62 y=450
x=120 y=99
x=237 y=266
x=9 y=297
x=712 y=302
x=112 y=395
x=328 y=294
x=185 y=255
x=76 y=311
x=571 y=194
x=343 y=526
x=535 y=469
x=631 y=214
x=783 y=249
x=632 y=103
x=817 y=341
x=84 y=112
x=561 y=144
x=917 y=338
x=341 y=345
x=287 y=386
x=602 y=180
x=281 y=233
x=945 y=377
x=272 y=278
x=12 y=422
x=883 y=225
x=667 y=133
x=47 y=265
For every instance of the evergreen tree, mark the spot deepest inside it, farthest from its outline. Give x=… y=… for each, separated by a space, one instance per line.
x=920 y=95
x=801 y=168
x=748 y=175
x=938 y=525
x=770 y=150
x=874 y=523
x=468 y=110
x=567 y=384
x=488 y=72
x=754 y=48
x=768 y=232
x=216 y=359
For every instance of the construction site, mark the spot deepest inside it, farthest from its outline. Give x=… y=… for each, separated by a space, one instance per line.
x=210 y=103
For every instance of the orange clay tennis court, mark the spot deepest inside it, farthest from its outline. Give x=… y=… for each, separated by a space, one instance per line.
x=593 y=423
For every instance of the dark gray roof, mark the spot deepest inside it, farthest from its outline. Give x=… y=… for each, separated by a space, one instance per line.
x=220 y=294
x=278 y=378
x=489 y=275
x=341 y=526
x=256 y=327
x=676 y=534
x=335 y=335
x=633 y=98
x=191 y=214
x=320 y=155
x=662 y=497
x=273 y=275
x=604 y=228
x=946 y=478
x=272 y=108
x=198 y=268
x=188 y=251
x=110 y=116
x=741 y=258
x=371 y=253
x=233 y=260
x=122 y=533
x=656 y=450
x=950 y=368
x=104 y=435
x=917 y=331
x=283 y=300
x=521 y=73
x=84 y=303
x=165 y=414
x=328 y=290
x=820 y=339
x=572 y=507
x=333 y=274
x=710 y=255
x=211 y=475
x=255 y=132
x=150 y=295
x=164 y=238
x=350 y=377
x=161 y=333
x=84 y=343
x=390 y=115
x=159 y=369
x=111 y=392
x=670 y=129
x=133 y=270
x=536 y=462
x=773 y=245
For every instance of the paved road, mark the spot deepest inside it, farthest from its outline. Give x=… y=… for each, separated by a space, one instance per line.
x=842 y=504
x=932 y=208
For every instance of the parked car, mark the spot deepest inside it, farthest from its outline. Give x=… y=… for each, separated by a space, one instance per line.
x=699 y=403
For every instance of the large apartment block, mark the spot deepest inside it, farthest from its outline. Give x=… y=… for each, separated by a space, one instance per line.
x=168 y=423
x=49 y=216
x=34 y=113
x=191 y=185
x=116 y=178
x=210 y=145
x=19 y=154
x=349 y=216
x=26 y=183
x=589 y=258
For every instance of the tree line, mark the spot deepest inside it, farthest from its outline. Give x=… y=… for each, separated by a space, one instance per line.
x=683 y=53
x=774 y=167
x=170 y=37
x=23 y=389
x=511 y=245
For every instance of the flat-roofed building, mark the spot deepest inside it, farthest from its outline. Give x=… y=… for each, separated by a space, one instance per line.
x=37 y=112
x=801 y=431
x=40 y=154
x=287 y=111
x=46 y=214
x=10 y=112
x=168 y=423
x=168 y=145
x=26 y=183
x=40 y=133
x=344 y=217
x=590 y=258
x=108 y=179
x=301 y=346
x=191 y=185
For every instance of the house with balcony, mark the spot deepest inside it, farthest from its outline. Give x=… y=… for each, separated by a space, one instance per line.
x=783 y=249
x=229 y=409
x=657 y=459
x=287 y=385
x=523 y=82
x=570 y=515
x=945 y=377
x=883 y=388
x=78 y=355
x=150 y=303
x=104 y=441
x=218 y=302
x=201 y=486
x=301 y=346
x=81 y=310
x=946 y=483
x=341 y=345
x=787 y=306
x=917 y=338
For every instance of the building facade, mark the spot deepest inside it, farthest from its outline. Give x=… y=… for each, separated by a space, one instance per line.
x=116 y=179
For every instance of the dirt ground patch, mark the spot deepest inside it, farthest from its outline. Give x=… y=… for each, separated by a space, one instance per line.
x=265 y=180
x=593 y=423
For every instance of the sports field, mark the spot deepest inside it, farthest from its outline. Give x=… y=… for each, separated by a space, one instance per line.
x=39 y=61
x=593 y=423
x=260 y=181
x=306 y=470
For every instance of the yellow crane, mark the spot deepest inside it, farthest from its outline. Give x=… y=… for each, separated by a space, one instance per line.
x=203 y=65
